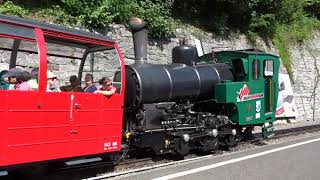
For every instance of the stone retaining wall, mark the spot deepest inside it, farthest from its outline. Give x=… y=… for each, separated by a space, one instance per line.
x=306 y=63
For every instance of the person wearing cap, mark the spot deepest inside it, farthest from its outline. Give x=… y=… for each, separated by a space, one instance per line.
x=33 y=82
x=11 y=75
x=17 y=78
x=107 y=88
x=51 y=80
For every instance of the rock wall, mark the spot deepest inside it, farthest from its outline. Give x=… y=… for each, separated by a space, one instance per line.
x=305 y=59
x=306 y=63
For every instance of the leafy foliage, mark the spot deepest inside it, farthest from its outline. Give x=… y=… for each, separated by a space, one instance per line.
x=9 y=7
x=90 y=13
x=313 y=7
x=283 y=21
x=96 y=13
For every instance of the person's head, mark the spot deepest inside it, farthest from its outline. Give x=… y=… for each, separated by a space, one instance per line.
x=74 y=81
x=4 y=84
x=88 y=79
x=23 y=76
x=11 y=75
x=51 y=78
x=105 y=83
x=35 y=73
x=2 y=73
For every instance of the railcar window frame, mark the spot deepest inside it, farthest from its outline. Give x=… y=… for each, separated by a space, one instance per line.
x=89 y=47
x=20 y=35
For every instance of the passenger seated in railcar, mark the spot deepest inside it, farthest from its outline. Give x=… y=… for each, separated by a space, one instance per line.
x=74 y=85
x=107 y=88
x=22 y=81
x=51 y=81
x=90 y=87
x=18 y=78
x=33 y=82
x=4 y=84
x=10 y=77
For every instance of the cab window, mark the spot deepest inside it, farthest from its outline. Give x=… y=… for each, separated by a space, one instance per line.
x=268 y=68
x=238 y=70
x=255 y=69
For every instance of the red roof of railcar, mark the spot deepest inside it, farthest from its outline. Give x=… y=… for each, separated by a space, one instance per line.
x=52 y=27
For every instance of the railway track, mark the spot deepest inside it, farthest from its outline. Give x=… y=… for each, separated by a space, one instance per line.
x=139 y=165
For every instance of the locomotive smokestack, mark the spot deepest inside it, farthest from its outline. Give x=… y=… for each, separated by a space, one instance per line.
x=140 y=39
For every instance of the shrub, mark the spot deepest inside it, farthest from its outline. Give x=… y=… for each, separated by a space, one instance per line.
x=9 y=7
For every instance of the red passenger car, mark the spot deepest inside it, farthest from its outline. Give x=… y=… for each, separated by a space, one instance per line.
x=39 y=125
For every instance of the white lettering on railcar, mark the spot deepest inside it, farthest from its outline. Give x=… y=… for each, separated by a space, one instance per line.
x=110 y=145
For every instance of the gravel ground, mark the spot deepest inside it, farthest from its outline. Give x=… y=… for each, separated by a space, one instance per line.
x=284 y=124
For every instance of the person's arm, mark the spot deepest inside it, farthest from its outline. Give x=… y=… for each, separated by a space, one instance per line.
x=105 y=92
x=64 y=88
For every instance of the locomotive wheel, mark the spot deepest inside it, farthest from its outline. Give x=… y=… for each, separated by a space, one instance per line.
x=231 y=140
x=209 y=144
x=247 y=134
x=182 y=147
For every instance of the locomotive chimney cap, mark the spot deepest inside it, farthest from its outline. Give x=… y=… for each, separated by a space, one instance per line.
x=136 y=23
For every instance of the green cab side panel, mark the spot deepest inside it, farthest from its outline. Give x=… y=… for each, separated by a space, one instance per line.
x=245 y=98
x=250 y=101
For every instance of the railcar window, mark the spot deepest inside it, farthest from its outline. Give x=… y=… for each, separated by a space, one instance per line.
x=268 y=68
x=21 y=54
x=103 y=63
x=64 y=60
x=255 y=69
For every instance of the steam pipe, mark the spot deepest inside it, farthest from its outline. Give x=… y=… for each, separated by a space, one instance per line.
x=140 y=39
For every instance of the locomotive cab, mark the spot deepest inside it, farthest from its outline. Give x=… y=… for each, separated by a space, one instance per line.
x=254 y=94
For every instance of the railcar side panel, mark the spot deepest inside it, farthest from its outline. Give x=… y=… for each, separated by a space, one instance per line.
x=111 y=122
x=37 y=127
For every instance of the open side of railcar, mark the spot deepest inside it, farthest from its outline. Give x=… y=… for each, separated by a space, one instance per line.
x=39 y=125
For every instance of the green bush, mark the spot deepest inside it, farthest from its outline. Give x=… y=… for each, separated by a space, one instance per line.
x=284 y=21
x=101 y=13
x=96 y=13
x=312 y=7
x=10 y=8
x=90 y=13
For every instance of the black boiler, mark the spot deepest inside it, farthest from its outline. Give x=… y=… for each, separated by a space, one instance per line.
x=153 y=83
